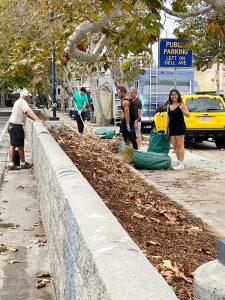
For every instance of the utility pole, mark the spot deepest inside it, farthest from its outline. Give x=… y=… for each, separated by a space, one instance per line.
x=217 y=77
x=175 y=78
x=54 y=104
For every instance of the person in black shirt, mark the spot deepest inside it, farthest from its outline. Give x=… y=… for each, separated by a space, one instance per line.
x=126 y=126
x=135 y=114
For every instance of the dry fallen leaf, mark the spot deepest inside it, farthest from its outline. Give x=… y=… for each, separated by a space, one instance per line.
x=148 y=207
x=168 y=264
x=194 y=229
x=14 y=261
x=39 y=234
x=138 y=202
x=171 y=218
x=149 y=243
x=15 y=226
x=169 y=272
x=36 y=241
x=156 y=220
x=38 y=223
x=156 y=257
x=11 y=249
x=5 y=249
x=138 y=216
x=168 y=275
x=43 y=274
x=28 y=229
x=204 y=251
x=20 y=187
x=41 y=243
x=42 y=283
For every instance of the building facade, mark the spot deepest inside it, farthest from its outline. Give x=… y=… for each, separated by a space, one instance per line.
x=210 y=80
x=154 y=86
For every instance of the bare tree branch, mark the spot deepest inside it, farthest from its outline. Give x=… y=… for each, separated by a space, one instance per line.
x=219 y=5
x=93 y=55
x=185 y=15
x=86 y=27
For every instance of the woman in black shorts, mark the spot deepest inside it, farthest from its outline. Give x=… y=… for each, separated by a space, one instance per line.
x=176 y=111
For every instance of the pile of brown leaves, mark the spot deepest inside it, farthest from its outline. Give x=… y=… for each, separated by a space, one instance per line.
x=173 y=240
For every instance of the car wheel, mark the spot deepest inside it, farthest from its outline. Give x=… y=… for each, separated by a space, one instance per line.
x=220 y=143
x=199 y=140
x=187 y=144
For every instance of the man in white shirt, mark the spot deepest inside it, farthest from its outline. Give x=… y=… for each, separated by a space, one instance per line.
x=16 y=122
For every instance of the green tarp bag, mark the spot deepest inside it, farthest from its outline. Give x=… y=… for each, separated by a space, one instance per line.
x=121 y=146
x=151 y=160
x=158 y=142
x=105 y=133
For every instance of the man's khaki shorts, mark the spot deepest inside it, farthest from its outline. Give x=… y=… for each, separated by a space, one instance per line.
x=138 y=130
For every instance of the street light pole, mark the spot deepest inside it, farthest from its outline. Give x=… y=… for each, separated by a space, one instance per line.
x=217 y=78
x=54 y=104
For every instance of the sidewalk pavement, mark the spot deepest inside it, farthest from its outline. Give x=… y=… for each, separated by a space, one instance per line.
x=22 y=232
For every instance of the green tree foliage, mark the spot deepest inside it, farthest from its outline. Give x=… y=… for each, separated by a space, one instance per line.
x=206 y=36
x=26 y=48
x=27 y=29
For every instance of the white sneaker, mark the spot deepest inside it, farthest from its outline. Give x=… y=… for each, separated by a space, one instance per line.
x=178 y=167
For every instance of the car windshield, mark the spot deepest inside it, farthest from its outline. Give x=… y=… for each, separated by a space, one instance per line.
x=205 y=104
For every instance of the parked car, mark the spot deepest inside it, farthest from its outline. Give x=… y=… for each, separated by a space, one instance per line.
x=207 y=118
x=8 y=102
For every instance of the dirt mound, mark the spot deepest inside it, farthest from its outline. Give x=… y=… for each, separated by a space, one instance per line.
x=174 y=241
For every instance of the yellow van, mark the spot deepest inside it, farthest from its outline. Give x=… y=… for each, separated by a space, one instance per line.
x=207 y=118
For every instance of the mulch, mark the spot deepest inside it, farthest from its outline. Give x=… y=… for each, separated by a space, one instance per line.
x=173 y=240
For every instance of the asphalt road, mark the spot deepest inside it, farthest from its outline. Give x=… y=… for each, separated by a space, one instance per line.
x=208 y=148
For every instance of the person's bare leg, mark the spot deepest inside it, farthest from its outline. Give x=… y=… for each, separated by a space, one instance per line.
x=180 y=147
x=138 y=140
x=21 y=154
x=174 y=142
x=11 y=153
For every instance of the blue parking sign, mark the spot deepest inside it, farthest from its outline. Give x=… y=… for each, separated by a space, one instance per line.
x=172 y=54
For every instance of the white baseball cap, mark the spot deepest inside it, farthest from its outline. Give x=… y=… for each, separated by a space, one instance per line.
x=24 y=93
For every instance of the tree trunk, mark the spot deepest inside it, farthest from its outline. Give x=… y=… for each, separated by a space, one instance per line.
x=117 y=73
x=47 y=93
x=63 y=96
x=2 y=100
x=95 y=95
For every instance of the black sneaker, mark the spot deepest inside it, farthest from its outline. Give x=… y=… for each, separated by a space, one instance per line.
x=13 y=167
x=26 y=166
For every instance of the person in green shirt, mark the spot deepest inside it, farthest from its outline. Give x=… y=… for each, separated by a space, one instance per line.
x=80 y=102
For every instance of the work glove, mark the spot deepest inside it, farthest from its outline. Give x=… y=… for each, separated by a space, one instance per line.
x=128 y=128
x=167 y=134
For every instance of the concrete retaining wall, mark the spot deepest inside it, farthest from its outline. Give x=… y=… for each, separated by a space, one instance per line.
x=91 y=255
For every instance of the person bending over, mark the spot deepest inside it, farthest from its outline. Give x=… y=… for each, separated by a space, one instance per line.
x=20 y=111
